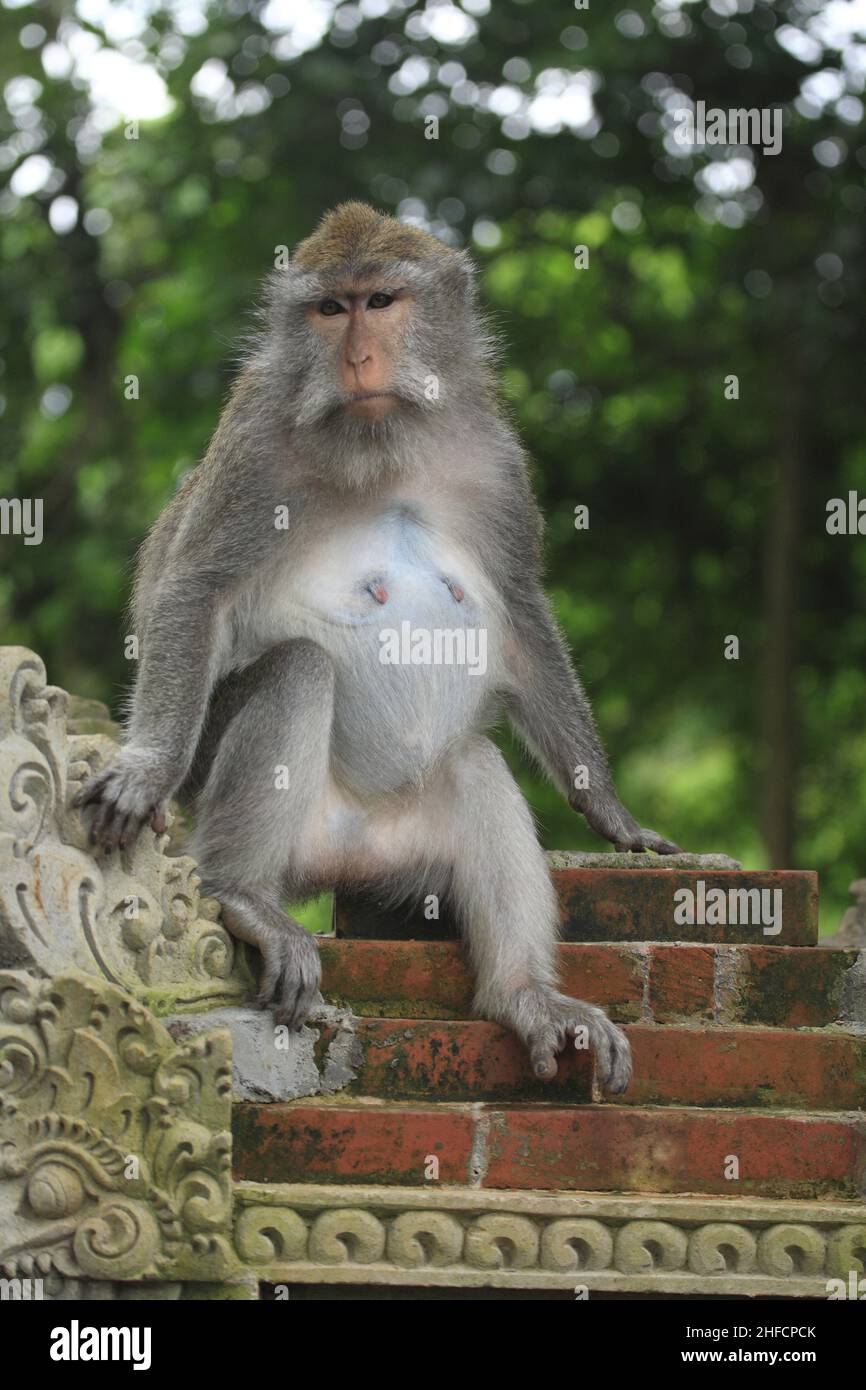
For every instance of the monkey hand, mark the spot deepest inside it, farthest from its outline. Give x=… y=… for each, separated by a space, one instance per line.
x=119 y=800
x=609 y=818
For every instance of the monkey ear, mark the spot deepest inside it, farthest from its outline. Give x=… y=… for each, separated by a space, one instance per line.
x=456 y=274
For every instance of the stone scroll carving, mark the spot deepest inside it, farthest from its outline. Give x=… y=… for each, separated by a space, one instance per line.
x=134 y=917
x=472 y=1238
x=115 y=1143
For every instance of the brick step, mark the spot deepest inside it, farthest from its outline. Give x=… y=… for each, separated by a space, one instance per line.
x=580 y=1148
x=449 y=1060
x=778 y=985
x=634 y=905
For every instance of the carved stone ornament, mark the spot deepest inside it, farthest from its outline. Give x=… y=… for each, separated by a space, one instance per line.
x=134 y=917
x=297 y=1233
x=115 y=1142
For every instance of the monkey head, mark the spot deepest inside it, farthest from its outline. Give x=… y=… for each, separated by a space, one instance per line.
x=374 y=324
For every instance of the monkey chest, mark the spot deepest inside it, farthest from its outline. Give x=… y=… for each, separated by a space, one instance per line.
x=385 y=585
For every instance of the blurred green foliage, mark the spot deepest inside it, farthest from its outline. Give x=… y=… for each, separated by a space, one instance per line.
x=136 y=251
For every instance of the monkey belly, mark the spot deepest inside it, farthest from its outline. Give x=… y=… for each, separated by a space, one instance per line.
x=412 y=628
x=409 y=682
x=347 y=840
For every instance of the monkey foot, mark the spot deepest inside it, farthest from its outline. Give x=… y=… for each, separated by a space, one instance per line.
x=547 y=1021
x=290 y=978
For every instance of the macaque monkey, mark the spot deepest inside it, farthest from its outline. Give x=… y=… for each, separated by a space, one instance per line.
x=362 y=521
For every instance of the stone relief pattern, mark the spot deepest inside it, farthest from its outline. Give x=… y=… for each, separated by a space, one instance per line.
x=115 y=1144
x=135 y=917
x=268 y=1236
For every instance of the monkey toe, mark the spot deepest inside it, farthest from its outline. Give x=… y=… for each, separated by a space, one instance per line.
x=298 y=980
x=542 y=1058
x=294 y=1005
x=290 y=1012
x=272 y=983
x=612 y=1057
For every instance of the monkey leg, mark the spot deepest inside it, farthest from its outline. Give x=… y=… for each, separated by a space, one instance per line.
x=507 y=906
x=267 y=749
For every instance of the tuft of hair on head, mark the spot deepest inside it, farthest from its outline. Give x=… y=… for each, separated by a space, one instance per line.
x=354 y=232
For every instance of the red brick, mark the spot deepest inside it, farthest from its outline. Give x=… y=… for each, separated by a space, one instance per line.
x=432 y=979
x=780 y=985
x=581 y=1148
x=605 y=973
x=681 y=982
x=450 y=1061
x=639 y=905
x=614 y=905
x=397 y=979
x=783 y=985
x=746 y=1066
x=305 y=1141
x=601 y=1149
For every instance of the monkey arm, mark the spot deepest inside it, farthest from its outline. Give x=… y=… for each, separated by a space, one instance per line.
x=218 y=528
x=179 y=663
x=182 y=651
x=547 y=704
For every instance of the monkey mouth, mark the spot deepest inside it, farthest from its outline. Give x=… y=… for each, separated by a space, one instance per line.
x=372 y=406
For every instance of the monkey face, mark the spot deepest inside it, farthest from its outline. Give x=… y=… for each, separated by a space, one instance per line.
x=374 y=335
x=363 y=327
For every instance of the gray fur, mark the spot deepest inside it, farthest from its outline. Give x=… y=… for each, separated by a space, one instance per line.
x=260 y=650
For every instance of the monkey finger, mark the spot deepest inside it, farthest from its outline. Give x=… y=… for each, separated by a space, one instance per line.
x=85 y=794
x=661 y=846
x=121 y=829
x=100 y=822
x=111 y=833
x=92 y=790
x=128 y=831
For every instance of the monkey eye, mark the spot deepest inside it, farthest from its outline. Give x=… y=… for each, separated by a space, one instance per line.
x=330 y=307
x=380 y=300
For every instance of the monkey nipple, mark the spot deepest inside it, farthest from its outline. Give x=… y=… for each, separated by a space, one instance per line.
x=457 y=593
x=378 y=591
